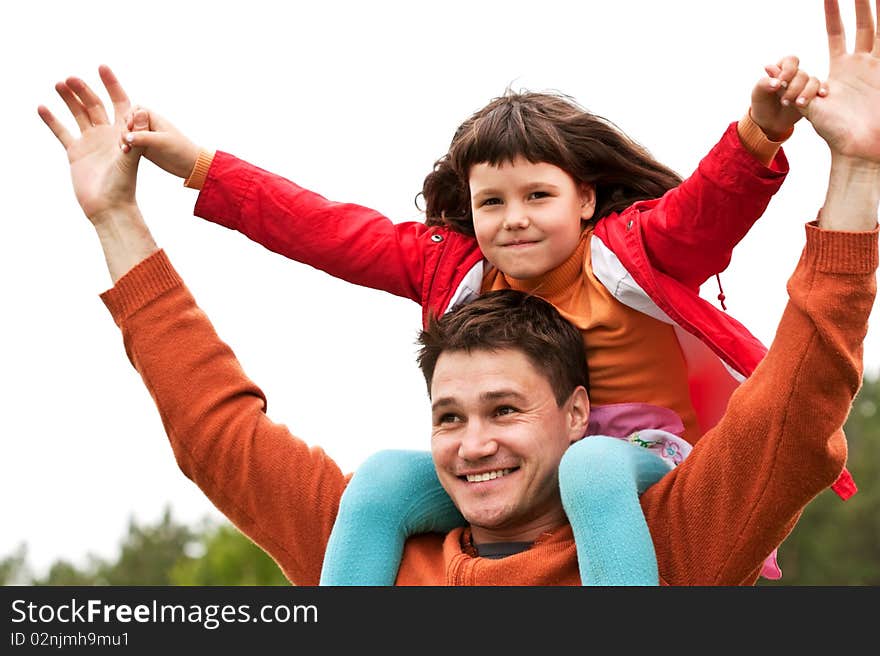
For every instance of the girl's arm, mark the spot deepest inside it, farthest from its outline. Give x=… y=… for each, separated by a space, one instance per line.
x=347 y=241
x=691 y=231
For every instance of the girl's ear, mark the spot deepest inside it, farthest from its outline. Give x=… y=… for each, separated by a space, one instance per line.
x=588 y=201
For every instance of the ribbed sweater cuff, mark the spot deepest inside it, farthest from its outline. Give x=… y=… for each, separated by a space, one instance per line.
x=756 y=142
x=197 y=176
x=146 y=281
x=839 y=251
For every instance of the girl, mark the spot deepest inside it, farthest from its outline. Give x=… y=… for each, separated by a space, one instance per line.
x=536 y=193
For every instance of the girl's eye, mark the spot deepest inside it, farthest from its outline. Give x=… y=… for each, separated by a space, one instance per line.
x=491 y=201
x=538 y=194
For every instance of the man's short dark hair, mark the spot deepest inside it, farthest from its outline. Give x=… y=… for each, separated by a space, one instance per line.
x=510 y=319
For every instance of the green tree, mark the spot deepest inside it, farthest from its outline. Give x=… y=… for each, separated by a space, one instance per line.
x=164 y=553
x=836 y=542
x=149 y=553
x=146 y=556
x=63 y=572
x=230 y=558
x=13 y=568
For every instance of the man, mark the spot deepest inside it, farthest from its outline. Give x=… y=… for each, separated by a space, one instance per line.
x=502 y=415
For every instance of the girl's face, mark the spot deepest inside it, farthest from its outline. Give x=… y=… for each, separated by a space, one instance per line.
x=527 y=217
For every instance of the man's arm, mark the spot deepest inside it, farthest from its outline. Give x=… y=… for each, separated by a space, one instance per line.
x=779 y=444
x=735 y=498
x=103 y=177
x=276 y=489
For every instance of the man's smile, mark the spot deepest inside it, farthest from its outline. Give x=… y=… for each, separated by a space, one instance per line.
x=488 y=475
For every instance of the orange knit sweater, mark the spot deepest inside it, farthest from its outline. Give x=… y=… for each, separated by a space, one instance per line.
x=713 y=519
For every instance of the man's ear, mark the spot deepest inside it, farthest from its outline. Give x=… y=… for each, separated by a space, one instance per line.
x=578 y=414
x=588 y=201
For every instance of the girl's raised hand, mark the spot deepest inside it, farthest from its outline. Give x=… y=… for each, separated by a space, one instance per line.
x=164 y=145
x=777 y=100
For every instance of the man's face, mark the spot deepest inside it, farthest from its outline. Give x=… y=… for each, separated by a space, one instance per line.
x=498 y=436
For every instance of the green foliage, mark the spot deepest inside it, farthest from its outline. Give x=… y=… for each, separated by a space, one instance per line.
x=13 y=568
x=838 y=542
x=63 y=572
x=165 y=553
x=229 y=556
x=148 y=553
x=146 y=556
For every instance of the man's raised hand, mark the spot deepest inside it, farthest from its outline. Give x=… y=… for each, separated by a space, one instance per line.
x=103 y=175
x=848 y=118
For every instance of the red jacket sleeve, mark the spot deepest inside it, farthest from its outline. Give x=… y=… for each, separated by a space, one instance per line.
x=716 y=517
x=347 y=241
x=691 y=231
x=276 y=489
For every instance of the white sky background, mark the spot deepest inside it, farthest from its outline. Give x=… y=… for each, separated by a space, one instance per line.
x=356 y=101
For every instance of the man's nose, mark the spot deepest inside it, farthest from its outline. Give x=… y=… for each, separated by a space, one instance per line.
x=476 y=442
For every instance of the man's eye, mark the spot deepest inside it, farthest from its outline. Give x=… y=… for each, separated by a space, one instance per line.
x=447 y=418
x=505 y=410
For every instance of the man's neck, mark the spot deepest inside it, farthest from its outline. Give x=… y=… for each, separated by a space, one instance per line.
x=527 y=533
x=498 y=550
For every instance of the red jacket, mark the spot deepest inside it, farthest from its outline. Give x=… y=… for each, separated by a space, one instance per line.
x=653 y=256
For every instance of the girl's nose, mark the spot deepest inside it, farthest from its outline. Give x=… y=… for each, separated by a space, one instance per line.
x=515 y=217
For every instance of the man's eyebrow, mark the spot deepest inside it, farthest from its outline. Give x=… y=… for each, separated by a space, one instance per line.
x=493 y=395
x=443 y=402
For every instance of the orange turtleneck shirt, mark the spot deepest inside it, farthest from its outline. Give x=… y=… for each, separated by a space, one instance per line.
x=632 y=358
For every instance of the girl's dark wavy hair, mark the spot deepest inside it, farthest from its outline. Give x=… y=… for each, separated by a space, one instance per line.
x=543 y=127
